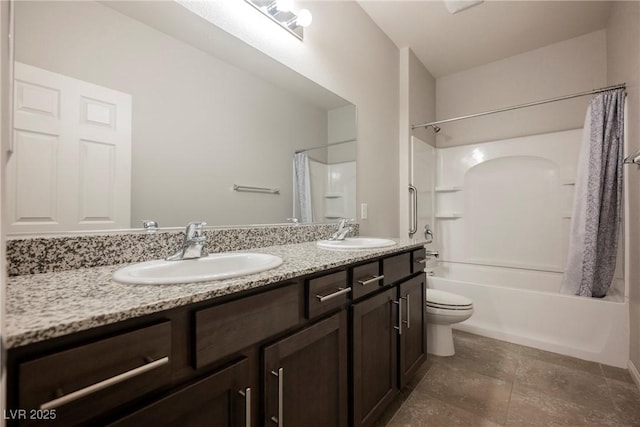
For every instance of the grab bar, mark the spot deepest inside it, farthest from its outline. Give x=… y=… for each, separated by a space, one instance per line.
x=256 y=189
x=414 y=220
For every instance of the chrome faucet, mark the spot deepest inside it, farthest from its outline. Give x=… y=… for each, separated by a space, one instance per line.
x=432 y=253
x=193 y=244
x=344 y=227
x=150 y=225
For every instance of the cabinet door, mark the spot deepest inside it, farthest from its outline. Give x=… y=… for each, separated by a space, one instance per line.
x=305 y=376
x=413 y=341
x=222 y=399
x=374 y=356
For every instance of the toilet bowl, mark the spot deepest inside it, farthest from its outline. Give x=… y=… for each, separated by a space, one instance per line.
x=443 y=310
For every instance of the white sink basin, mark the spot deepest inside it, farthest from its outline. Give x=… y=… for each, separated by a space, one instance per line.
x=213 y=267
x=356 y=243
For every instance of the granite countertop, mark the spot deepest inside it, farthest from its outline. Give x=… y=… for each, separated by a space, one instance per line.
x=49 y=305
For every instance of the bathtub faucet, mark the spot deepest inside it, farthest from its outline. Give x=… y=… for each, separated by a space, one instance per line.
x=432 y=253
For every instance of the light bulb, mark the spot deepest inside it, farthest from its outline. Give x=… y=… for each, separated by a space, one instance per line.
x=304 y=18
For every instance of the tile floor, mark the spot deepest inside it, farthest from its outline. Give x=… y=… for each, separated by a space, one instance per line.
x=495 y=383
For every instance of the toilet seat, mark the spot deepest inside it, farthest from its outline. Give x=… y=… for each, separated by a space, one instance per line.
x=447 y=301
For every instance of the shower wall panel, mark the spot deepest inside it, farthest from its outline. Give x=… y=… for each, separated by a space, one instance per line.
x=508 y=203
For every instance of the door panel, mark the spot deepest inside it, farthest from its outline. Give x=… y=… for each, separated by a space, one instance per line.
x=71 y=166
x=305 y=376
x=413 y=344
x=374 y=356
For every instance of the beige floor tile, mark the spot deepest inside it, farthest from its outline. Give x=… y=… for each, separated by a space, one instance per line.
x=564 y=383
x=532 y=408
x=484 y=397
x=619 y=374
x=626 y=399
x=490 y=382
x=561 y=360
x=483 y=357
x=404 y=394
x=424 y=410
x=486 y=343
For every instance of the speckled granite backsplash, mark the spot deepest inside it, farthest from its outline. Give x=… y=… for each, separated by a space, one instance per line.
x=50 y=254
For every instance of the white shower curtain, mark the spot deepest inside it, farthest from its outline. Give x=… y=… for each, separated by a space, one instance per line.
x=302 y=185
x=597 y=205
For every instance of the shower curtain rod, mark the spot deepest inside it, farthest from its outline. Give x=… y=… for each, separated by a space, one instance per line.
x=515 y=107
x=324 y=146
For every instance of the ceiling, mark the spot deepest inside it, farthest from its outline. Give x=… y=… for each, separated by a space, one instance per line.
x=493 y=30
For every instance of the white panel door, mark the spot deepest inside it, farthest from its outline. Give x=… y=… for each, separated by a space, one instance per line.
x=422 y=177
x=71 y=167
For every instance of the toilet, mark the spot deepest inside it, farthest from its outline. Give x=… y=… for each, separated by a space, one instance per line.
x=443 y=310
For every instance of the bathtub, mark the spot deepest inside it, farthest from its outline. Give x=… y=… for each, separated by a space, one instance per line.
x=525 y=307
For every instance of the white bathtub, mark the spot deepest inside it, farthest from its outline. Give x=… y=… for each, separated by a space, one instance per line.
x=507 y=308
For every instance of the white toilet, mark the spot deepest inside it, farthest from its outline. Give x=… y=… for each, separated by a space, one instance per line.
x=443 y=310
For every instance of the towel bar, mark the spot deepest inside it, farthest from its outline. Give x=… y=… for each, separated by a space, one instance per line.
x=256 y=189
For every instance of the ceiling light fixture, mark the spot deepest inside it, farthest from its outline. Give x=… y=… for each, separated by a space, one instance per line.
x=281 y=12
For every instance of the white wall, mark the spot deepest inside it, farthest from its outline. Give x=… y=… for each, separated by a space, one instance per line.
x=199 y=124
x=344 y=51
x=623 y=65
x=343 y=126
x=567 y=67
x=417 y=105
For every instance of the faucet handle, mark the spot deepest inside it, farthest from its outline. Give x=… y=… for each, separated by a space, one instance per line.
x=150 y=225
x=194 y=229
x=344 y=221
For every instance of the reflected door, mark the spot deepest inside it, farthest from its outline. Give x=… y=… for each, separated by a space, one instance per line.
x=422 y=181
x=71 y=166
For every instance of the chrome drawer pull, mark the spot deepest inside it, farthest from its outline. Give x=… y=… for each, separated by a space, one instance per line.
x=280 y=375
x=83 y=392
x=421 y=261
x=373 y=279
x=247 y=405
x=399 y=327
x=408 y=321
x=341 y=291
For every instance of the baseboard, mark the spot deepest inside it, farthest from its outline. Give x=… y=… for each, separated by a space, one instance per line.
x=634 y=373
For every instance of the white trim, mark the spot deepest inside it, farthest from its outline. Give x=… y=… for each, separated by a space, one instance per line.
x=634 y=373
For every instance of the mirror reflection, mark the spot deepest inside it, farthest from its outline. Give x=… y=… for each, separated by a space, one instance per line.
x=116 y=122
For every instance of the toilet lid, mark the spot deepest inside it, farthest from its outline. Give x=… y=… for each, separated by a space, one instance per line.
x=441 y=299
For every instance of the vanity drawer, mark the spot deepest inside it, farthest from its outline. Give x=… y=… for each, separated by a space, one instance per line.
x=365 y=279
x=214 y=400
x=326 y=293
x=230 y=327
x=396 y=268
x=81 y=382
x=419 y=260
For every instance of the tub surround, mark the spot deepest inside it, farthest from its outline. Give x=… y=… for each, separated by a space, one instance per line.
x=48 y=305
x=32 y=255
x=505 y=301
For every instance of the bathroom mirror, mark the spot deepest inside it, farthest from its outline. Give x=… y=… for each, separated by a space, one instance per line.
x=132 y=111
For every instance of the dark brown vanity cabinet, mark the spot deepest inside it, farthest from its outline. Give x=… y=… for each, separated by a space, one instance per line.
x=70 y=387
x=413 y=339
x=221 y=399
x=375 y=353
x=305 y=376
x=328 y=349
x=388 y=338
